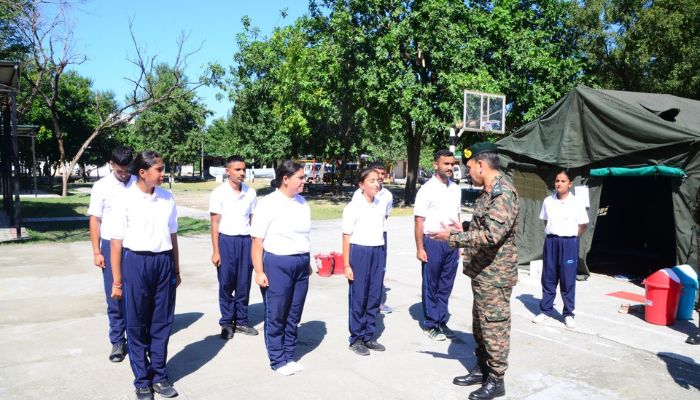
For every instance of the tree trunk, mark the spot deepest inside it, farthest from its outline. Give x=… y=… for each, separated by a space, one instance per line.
x=413 y=146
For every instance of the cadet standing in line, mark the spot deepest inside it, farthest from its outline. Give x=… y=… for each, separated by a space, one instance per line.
x=387 y=199
x=490 y=260
x=565 y=220
x=437 y=204
x=231 y=208
x=281 y=228
x=102 y=224
x=364 y=261
x=147 y=233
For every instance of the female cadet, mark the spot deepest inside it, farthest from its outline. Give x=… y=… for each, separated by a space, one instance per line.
x=565 y=220
x=280 y=252
x=147 y=233
x=364 y=256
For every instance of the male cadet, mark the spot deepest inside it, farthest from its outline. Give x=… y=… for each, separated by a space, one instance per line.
x=490 y=259
x=437 y=205
x=231 y=208
x=102 y=223
x=387 y=199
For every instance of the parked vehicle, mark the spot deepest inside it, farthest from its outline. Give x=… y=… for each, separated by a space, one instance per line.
x=424 y=176
x=312 y=172
x=457 y=173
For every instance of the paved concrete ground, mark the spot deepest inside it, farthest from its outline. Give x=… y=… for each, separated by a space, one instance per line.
x=53 y=337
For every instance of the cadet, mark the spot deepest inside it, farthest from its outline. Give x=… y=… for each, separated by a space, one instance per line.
x=147 y=232
x=387 y=200
x=231 y=208
x=280 y=230
x=365 y=261
x=102 y=224
x=490 y=260
x=437 y=204
x=565 y=221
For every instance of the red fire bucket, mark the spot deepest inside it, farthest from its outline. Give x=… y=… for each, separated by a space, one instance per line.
x=324 y=264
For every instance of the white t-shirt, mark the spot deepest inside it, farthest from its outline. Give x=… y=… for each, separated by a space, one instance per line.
x=385 y=197
x=438 y=204
x=283 y=224
x=102 y=196
x=364 y=221
x=145 y=221
x=563 y=216
x=235 y=208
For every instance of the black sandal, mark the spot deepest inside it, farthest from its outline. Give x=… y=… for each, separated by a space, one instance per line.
x=694 y=338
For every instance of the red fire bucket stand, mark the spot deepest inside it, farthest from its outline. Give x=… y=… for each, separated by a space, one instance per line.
x=324 y=264
x=338 y=263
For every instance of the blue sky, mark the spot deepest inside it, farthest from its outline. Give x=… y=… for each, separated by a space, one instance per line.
x=102 y=35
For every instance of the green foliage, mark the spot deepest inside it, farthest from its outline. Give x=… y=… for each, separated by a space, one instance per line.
x=646 y=46
x=173 y=128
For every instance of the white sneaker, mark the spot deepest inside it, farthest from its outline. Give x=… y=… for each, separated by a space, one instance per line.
x=286 y=370
x=295 y=366
x=540 y=318
x=569 y=322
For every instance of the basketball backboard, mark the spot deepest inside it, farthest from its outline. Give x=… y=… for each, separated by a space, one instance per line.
x=484 y=112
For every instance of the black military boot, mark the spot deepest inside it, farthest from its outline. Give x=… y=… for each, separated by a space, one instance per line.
x=492 y=388
x=475 y=375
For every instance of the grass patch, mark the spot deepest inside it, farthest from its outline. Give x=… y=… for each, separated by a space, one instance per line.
x=73 y=205
x=191 y=226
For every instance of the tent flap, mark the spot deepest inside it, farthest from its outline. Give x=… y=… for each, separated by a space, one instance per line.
x=641 y=171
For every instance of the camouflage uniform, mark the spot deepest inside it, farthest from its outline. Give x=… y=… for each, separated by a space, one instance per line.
x=490 y=259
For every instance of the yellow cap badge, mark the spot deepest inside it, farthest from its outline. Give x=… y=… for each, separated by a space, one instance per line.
x=467 y=153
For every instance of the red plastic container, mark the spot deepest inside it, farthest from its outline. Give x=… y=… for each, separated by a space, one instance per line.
x=338 y=263
x=324 y=264
x=663 y=291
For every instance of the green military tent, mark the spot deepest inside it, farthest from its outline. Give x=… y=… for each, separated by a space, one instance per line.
x=637 y=155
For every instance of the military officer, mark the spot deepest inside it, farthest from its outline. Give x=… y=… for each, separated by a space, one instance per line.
x=490 y=260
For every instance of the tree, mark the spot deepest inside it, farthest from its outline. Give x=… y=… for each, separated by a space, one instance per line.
x=52 y=52
x=174 y=129
x=646 y=46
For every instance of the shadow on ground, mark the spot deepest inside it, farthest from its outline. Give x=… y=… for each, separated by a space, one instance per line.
x=309 y=336
x=684 y=370
x=184 y=320
x=194 y=356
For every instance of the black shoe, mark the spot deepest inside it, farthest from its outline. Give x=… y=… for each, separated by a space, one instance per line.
x=359 y=348
x=472 y=378
x=144 y=393
x=118 y=352
x=246 y=330
x=227 y=332
x=165 y=389
x=374 y=345
x=492 y=388
x=694 y=338
x=449 y=333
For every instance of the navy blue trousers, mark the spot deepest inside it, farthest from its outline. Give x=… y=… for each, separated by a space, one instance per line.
x=438 y=279
x=234 y=274
x=365 y=291
x=115 y=308
x=560 y=265
x=284 y=303
x=149 y=300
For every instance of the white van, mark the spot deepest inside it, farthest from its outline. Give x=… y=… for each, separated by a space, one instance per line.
x=457 y=173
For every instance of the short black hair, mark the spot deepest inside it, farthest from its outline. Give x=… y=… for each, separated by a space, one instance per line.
x=144 y=160
x=442 y=153
x=364 y=173
x=234 y=158
x=286 y=168
x=122 y=155
x=378 y=165
x=490 y=158
x=565 y=172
